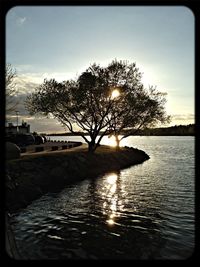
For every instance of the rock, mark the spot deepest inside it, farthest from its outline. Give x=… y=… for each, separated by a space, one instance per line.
x=12 y=151
x=10 y=242
x=57 y=172
x=34 y=176
x=10 y=184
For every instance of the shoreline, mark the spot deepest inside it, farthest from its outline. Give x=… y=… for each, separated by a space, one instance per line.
x=33 y=175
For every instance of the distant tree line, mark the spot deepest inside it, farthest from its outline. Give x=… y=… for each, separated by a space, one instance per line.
x=173 y=130
x=167 y=131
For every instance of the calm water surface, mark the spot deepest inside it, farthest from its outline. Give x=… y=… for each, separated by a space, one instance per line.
x=143 y=212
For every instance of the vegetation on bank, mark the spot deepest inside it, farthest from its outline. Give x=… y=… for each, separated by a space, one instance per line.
x=30 y=177
x=180 y=130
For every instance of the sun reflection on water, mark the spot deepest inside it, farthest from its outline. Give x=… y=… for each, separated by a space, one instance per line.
x=110 y=198
x=111 y=179
x=110 y=221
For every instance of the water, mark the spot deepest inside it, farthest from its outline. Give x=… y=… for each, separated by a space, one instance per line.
x=142 y=212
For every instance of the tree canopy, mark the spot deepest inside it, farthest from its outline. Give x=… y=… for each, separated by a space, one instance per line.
x=102 y=101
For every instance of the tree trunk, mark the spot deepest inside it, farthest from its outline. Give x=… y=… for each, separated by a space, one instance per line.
x=117 y=141
x=91 y=146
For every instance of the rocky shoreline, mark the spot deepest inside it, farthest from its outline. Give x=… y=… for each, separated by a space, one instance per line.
x=28 y=178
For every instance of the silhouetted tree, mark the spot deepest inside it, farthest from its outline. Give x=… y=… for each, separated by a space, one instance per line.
x=85 y=103
x=134 y=107
x=142 y=109
x=100 y=102
x=11 y=90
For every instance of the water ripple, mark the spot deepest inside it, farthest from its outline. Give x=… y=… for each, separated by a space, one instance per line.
x=143 y=212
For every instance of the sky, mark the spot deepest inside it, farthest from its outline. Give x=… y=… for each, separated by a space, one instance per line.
x=62 y=41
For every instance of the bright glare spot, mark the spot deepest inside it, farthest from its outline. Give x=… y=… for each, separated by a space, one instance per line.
x=113 y=188
x=110 y=221
x=111 y=141
x=112 y=179
x=54 y=237
x=115 y=93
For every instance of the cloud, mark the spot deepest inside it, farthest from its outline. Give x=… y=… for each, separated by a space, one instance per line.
x=19 y=99
x=43 y=124
x=23 y=68
x=38 y=124
x=26 y=83
x=21 y=20
x=182 y=117
x=59 y=76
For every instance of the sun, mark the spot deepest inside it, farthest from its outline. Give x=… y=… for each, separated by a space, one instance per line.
x=115 y=93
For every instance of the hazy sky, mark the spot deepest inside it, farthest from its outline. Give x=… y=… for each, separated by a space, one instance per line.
x=61 y=42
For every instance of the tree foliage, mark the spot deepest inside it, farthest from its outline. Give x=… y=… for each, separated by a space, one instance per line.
x=11 y=90
x=142 y=108
x=89 y=102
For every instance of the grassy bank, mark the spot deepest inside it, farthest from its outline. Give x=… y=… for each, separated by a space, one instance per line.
x=32 y=176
